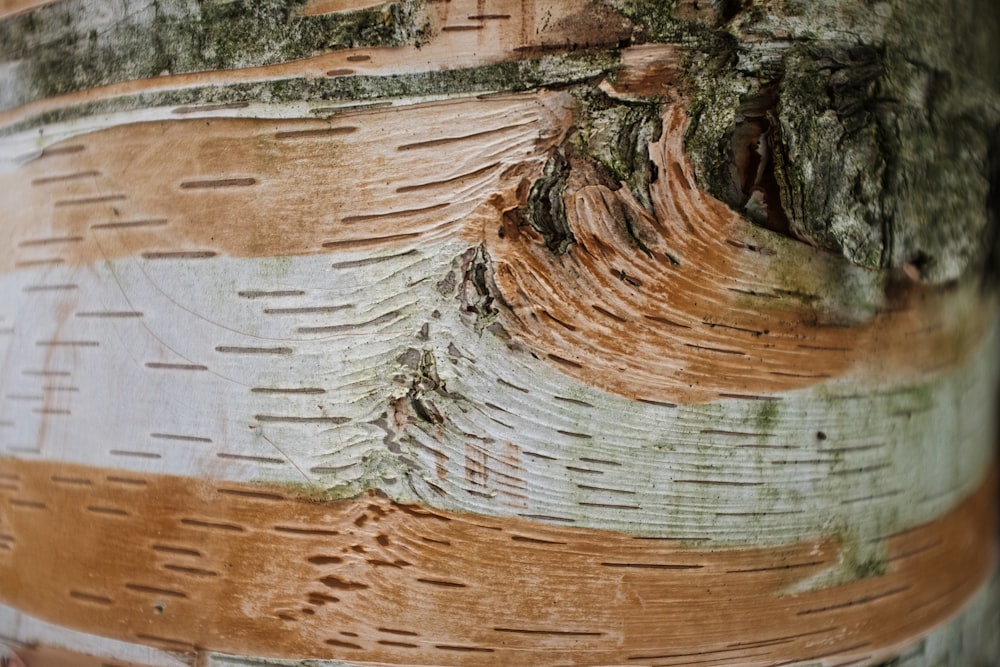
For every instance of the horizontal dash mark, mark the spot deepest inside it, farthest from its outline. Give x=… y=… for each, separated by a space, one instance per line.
x=112 y=314
x=305 y=310
x=176 y=644
x=201 y=108
x=128 y=481
x=288 y=390
x=140 y=455
x=546 y=517
x=29 y=504
x=534 y=540
x=442 y=583
x=297 y=530
x=232 y=349
x=610 y=506
x=212 y=525
x=90 y=597
x=337 y=328
x=218 y=183
x=750 y=397
x=877 y=496
x=374 y=240
x=88 y=200
x=198 y=572
x=283 y=419
x=564 y=633
x=180 y=254
x=129 y=224
x=562 y=360
x=76 y=481
x=434 y=143
x=113 y=511
x=368 y=261
x=467 y=649
x=182 y=438
x=392 y=214
x=319 y=133
x=62 y=150
x=716 y=482
x=777 y=568
x=256 y=495
x=154 y=590
x=265 y=294
x=250 y=458
x=654 y=566
x=50 y=261
x=50 y=241
x=67 y=343
x=181 y=551
x=852 y=603
x=176 y=367
x=715 y=349
x=448 y=181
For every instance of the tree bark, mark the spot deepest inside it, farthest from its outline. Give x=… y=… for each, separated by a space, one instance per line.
x=499 y=332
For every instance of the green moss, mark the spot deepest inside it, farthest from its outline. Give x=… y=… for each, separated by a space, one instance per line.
x=873 y=566
x=767 y=416
x=617 y=134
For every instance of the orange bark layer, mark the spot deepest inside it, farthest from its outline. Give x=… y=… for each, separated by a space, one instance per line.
x=273 y=188
x=186 y=564
x=689 y=304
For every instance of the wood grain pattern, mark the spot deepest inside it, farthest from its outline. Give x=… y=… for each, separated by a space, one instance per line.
x=189 y=565
x=738 y=317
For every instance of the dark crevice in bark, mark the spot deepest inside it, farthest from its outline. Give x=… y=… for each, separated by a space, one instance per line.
x=546 y=208
x=754 y=188
x=427 y=381
x=875 y=125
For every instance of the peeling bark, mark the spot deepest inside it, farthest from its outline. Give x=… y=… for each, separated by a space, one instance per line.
x=498 y=332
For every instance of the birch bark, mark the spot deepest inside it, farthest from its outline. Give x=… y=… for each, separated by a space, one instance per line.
x=499 y=332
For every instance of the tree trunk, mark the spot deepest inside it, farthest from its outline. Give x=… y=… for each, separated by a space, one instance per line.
x=499 y=332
